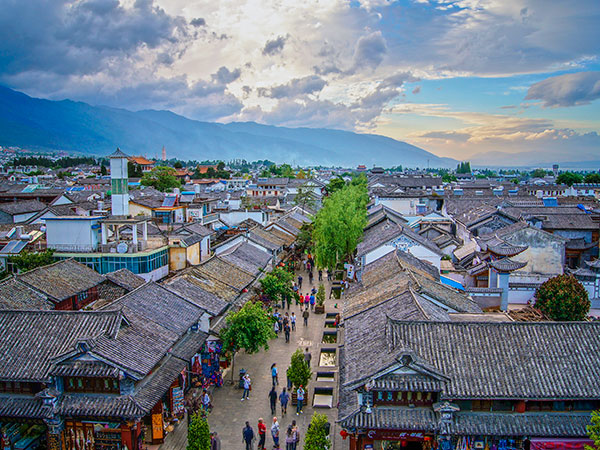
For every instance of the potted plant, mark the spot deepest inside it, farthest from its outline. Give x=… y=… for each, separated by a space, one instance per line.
x=320 y=306
x=298 y=374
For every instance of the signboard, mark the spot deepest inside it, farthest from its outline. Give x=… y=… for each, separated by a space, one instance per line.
x=157 y=427
x=396 y=435
x=178 y=401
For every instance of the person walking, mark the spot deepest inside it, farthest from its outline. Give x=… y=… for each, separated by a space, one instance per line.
x=215 y=442
x=320 y=275
x=274 y=374
x=299 y=281
x=206 y=401
x=247 y=386
x=262 y=434
x=286 y=330
x=248 y=436
x=306 y=301
x=300 y=397
x=275 y=433
x=284 y=397
x=312 y=302
x=307 y=357
x=276 y=327
x=295 y=434
x=305 y=315
x=289 y=438
x=293 y=321
x=310 y=277
x=273 y=400
x=328 y=275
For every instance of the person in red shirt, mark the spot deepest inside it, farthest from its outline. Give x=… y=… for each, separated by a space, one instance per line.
x=262 y=434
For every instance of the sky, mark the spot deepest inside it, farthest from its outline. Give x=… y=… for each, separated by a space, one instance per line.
x=469 y=79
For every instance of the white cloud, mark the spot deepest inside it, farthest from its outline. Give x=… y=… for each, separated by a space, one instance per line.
x=566 y=90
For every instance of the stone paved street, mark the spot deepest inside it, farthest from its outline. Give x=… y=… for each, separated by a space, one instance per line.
x=230 y=413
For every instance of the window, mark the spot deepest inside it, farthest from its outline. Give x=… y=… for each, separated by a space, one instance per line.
x=92 y=385
x=481 y=405
x=16 y=387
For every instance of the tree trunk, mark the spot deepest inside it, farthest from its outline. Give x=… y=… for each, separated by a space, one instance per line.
x=232 y=365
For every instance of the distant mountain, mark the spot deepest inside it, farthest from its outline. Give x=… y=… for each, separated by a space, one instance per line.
x=98 y=130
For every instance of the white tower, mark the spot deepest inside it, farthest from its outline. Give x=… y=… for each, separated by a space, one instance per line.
x=119 y=178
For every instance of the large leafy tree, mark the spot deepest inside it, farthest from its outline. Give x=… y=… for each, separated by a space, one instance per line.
x=593 y=431
x=198 y=433
x=592 y=178
x=316 y=435
x=538 y=173
x=339 y=224
x=248 y=329
x=569 y=178
x=298 y=372
x=335 y=184
x=30 y=260
x=563 y=298
x=277 y=285
x=162 y=178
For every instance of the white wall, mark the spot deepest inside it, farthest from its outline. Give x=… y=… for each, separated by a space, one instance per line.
x=71 y=235
x=205 y=248
x=155 y=275
x=234 y=218
x=418 y=251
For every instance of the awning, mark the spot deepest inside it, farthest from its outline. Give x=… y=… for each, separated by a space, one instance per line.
x=559 y=444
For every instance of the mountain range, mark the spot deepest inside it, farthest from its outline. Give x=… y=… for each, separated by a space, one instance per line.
x=79 y=127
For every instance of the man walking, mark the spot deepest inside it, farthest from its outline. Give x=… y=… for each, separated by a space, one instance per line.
x=273 y=400
x=248 y=436
x=312 y=302
x=305 y=317
x=299 y=281
x=275 y=433
x=286 y=330
x=247 y=386
x=215 y=442
x=284 y=397
x=293 y=321
x=274 y=374
x=300 y=397
x=262 y=434
x=307 y=357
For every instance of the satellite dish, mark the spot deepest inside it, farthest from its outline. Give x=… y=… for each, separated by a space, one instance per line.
x=122 y=247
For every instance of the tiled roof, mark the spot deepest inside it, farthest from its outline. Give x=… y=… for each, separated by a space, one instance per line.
x=30 y=339
x=22 y=207
x=490 y=360
x=507 y=265
x=506 y=249
x=408 y=383
x=126 y=279
x=62 y=279
x=225 y=272
x=392 y=418
x=17 y=295
x=191 y=289
x=23 y=407
x=79 y=368
x=82 y=405
x=247 y=257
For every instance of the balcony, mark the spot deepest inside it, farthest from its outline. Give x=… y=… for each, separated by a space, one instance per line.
x=209 y=218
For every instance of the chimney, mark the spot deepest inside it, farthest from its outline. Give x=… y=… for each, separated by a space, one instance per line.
x=18 y=232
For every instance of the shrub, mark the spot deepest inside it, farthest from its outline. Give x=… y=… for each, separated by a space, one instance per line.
x=299 y=372
x=198 y=433
x=563 y=298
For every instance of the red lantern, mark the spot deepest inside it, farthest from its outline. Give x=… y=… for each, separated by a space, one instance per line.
x=344 y=434
x=427 y=438
x=404 y=443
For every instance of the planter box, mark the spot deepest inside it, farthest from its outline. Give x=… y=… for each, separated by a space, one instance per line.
x=319 y=309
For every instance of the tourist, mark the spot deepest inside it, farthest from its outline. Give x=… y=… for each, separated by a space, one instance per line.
x=289 y=438
x=215 y=442
x=286 y=330
x=205 y=400
x=273 y=400
x=300 y=397
x=299 y=281
x=274 y=374
x=262 y=434
x=293 y=321
x=247 y=386
x=306 y=301
x=284 y=397
x=312 y=302
x=328 y=275
x=276 y=328
x=305 y=317
x=275 y=433
x=307 y=357
x=320 y=275
x=310 y=277
x=248 y=436
x=295 y=434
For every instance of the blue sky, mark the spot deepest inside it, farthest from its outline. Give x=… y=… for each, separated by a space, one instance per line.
x=470 y=79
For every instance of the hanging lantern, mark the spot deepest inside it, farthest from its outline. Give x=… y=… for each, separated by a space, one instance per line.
x=344 y=434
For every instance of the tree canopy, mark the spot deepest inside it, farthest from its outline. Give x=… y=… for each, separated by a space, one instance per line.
x=198 y=433
x=277 y=285
x=569 y=178
x=250 y=329
x=339 y=225
x=316 y=434
x=162 y=178
x=134 y=170
x=592 y=178
x=298 y=373
x=563 y=298
x=335 y=184
x=463 y=167
x=593 y=431
x=538 y=173
x=30 y=260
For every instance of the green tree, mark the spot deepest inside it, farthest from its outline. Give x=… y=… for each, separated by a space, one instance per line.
x=463 y=167
x=198 y=433
x=298 y=373
x=593 y=431
x=448 y=177
x=538 y=173
x=316 y=434
x=277 y=285
x=335 y=184
x=563 y=298
x=178 y=165
x=321 y=295
x=249 y=329
x=304 y=239
x=339 y=225
x=30 y=260
x=134 y=170
x=305 y=197
x=103 y=170
x=569 y=178
x=162 y=178
x=592 y=178
x=220 y=165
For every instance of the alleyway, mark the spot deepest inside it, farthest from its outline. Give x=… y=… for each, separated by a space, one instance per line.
x=230 y=413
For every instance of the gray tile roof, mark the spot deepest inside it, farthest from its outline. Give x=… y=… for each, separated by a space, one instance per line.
x=191 y=289
x=23 y=407
x=392 y=418
x=126 y=279
x=17 y=295
x=30 y=339
x=62 y=279
x=22 y=207
x=247 y=257
x=507 y=265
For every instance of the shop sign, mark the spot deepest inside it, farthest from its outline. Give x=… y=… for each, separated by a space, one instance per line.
x=390 y=435
x=157 y=427
x=178 y=402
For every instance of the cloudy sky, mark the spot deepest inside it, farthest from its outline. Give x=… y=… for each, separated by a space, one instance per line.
x=458 y=78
